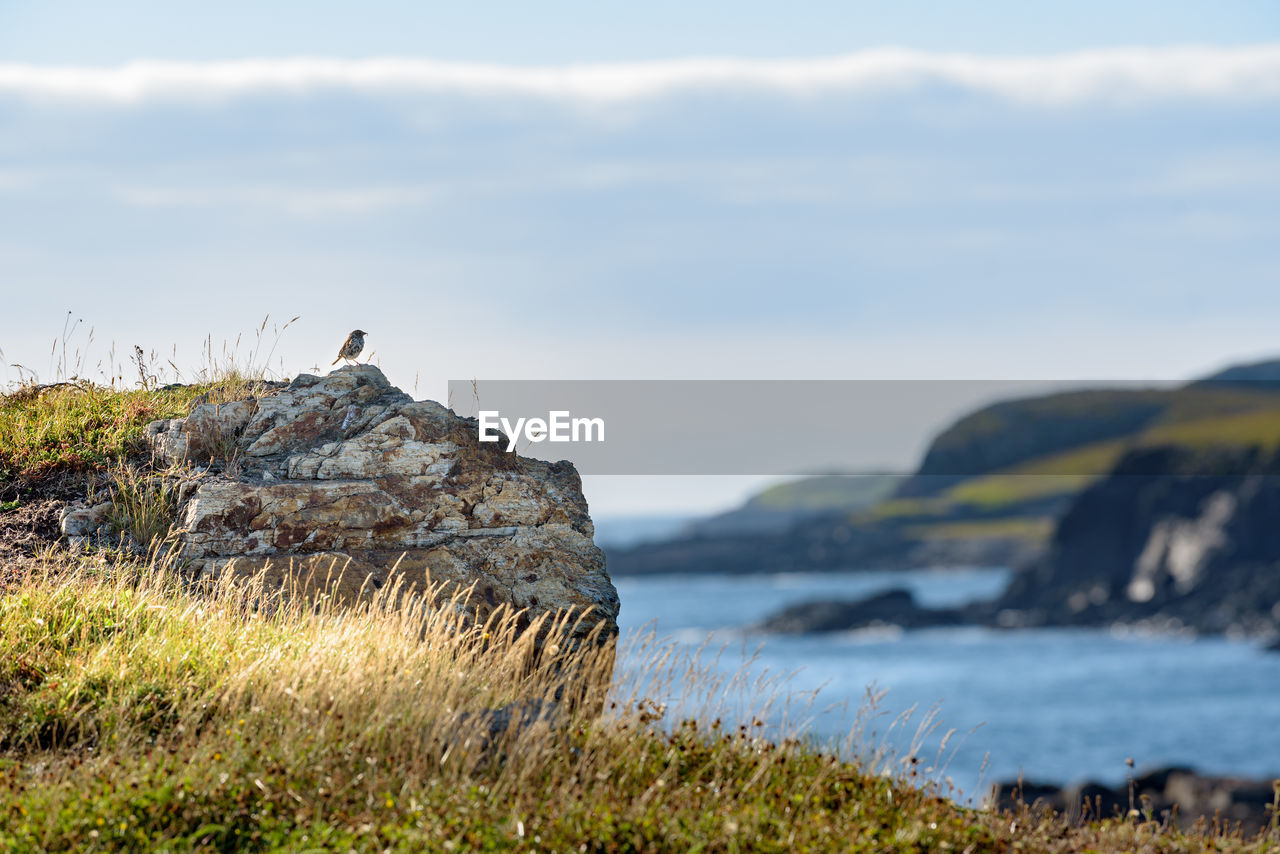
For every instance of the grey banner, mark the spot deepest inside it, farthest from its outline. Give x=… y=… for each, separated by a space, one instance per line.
x=783 y=427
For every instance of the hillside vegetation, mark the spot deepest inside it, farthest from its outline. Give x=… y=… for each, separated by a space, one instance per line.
x=1015 y=466
x=81 y=426
x=137 y=715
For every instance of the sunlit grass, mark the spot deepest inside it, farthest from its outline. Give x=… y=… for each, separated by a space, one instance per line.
x=1030 y=528
x=138 y=714
x=79 y=426
x=999 y=491
x=824 y=492
x=899 y=508
x=1250 y=429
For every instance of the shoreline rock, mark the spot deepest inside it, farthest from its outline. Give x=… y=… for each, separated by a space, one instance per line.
x=1174 y=540
x=1181 y=793
x=831 y=543
x=1173 y=535
x=890 y=608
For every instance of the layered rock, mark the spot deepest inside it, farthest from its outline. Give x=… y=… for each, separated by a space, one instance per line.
x=346 y=481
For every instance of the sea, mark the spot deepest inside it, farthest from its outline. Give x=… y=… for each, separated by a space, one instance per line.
x=972 y=705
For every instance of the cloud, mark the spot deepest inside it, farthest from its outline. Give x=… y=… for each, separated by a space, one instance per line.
x=299 y=201
x=1249 y=72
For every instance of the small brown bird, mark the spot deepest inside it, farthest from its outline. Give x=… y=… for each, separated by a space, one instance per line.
x=352 y=346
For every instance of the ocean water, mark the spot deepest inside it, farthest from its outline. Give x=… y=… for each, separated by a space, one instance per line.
x=1050 y=704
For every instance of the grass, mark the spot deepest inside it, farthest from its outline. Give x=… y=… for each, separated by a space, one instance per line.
x=1032 y=528
x=997 y=491
x=76 y=424
x=1249 y=429
x=81 y=426
x=827 y=492
x=901 y=508
x=1239 y=419
x=144 y=505
x=138 y=715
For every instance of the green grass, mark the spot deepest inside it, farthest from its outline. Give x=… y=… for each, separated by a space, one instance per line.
x=903 y=508
x=1198 y=403
x=1235 y=419
x=1031 y=528
x=1259 y=429
x=84 y=427
x=1057 y=474
x=827 y=492
x=135 y=715
x=998 y=491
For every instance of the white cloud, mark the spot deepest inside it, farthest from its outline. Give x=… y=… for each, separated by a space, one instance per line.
x=1098 y=75
x=299 y=201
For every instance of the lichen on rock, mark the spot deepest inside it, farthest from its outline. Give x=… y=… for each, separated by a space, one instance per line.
x=347 y=481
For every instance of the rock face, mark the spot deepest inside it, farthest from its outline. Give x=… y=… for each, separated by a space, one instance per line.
x=1173 y=537
x=346 y=476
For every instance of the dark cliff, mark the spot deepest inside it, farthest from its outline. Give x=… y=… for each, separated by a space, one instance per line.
x=1173 y=534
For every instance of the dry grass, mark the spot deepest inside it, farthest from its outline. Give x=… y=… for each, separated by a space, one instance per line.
x=136 y=714
x=143 y=504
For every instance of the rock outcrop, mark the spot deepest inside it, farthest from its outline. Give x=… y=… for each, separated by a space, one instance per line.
x=891 y=608
x=346 y=478
x=1174 y=537
x=1180 y=793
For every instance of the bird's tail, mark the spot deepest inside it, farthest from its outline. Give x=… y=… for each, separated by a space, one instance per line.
x=335 y=361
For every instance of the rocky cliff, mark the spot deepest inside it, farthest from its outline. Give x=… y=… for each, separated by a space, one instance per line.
x=1174 y=536
x=346 y=478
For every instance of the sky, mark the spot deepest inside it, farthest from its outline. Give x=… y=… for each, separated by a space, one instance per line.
x=573 y=190
x=568 y=31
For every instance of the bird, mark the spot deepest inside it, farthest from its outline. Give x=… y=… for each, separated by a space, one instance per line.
x=352 y=346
